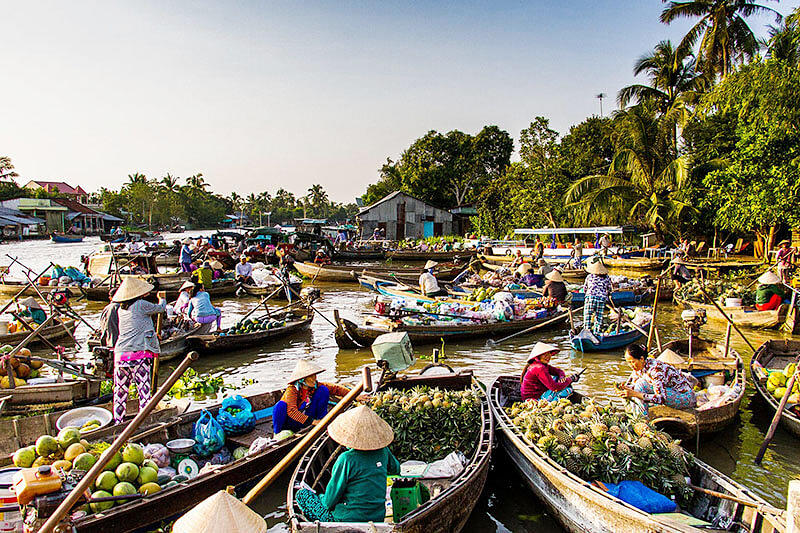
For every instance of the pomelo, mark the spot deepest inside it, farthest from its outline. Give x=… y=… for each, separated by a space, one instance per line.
x=123 y=488
x=127 y=472
x=133 y=453
x=146 y=475
x=62 y=464
x=68 y=436
x=106 y=481
x=114 y=462
x=45 y=445
x=149 y=488
x=73 y=451
x=84 y=461
x=99 y=507
x=24 y=457
x=150 y=464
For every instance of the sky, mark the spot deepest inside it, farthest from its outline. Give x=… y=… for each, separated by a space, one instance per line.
x=259 y=95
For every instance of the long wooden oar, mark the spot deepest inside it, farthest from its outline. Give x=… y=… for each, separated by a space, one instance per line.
x=88 y=479
x=775 y=419
x=762 y=507
x=262 y=302
x=23 y=289
x=650 y=334
x=724 y=314
x=620 y=314
x=492 y=342
x=301 y=446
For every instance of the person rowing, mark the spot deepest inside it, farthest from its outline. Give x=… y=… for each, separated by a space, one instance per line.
x=428 y=285
x=541 y=380
x=597 y=290
x=770 y=292
x=305 y=400
x=656 y=381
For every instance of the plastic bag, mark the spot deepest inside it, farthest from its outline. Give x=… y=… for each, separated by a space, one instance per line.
x=641 y=497
x=158 y=453
x=236 y=416
x=208 y=435
x=57 y=272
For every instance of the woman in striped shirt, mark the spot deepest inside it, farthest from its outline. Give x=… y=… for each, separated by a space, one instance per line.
x=305 y=400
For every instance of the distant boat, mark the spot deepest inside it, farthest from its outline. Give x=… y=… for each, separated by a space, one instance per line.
x=60 y=237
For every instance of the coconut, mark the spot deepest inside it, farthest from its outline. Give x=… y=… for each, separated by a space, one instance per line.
x=68 y=436
x=24 y=457
x=46 y=445
x=99 y=507
x=133 y=453
x=84 y=461
x=123 y=488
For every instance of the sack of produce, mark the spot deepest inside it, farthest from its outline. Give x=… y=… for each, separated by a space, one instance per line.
x=158 y=453
x=236 y=416
x=208 y=435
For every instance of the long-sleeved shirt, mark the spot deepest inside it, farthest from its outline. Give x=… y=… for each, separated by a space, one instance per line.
x=428 y=283
x=186 y=254
x=200 y=305
x=37 y=315
x=244 y=270
x=180 y=304
x=356 y=491
x=539 y=379
x=597 y=285
x=136 y=331
x=661 y=376
x=765 y=292
x=109 y=325
x=294 y=398
x=204 y=276
x=555 y=289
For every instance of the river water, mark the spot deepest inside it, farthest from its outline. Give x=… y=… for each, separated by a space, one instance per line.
x=506 y=504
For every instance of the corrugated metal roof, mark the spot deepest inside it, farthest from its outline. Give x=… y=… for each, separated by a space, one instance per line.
x=18 y=217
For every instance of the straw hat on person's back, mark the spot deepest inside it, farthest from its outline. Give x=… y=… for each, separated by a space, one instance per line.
x=186 y=285
x=303 y=369
x=769 y=278
x=554 y=275
x=595 y=266
x=216 y=265
x=30 y=302
x=361 y=429
x=220 y=513
x=131 y=288
x=430 y=264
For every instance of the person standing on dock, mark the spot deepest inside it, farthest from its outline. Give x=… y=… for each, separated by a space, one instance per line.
x=784 y=260
x=305 y=400
x=596 y=289
x=186 y=256
x=137 y=344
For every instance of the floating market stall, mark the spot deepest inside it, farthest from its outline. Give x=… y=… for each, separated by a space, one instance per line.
x=742 y=314
x=771 y=368
x=577 y=455
x=345 y=273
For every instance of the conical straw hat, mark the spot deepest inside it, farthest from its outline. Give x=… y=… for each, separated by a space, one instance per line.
x=186 y=285
x=768 y=278
x=31 y=302
x=216 y=265
x=670 y=357
x=596 y=266
x=303 y=369
x=554 y=275
x=220 y=513
x=132 y=287
x=524 y=268
x=430 y=264
x=361 y=429
x=542 y=348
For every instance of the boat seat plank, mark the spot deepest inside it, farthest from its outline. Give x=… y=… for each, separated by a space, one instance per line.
x=262 y=430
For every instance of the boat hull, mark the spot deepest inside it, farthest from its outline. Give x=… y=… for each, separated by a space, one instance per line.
x=51 y=333
x=775 y=354
x=211 y=344
x=740 y=316
x=608 y=342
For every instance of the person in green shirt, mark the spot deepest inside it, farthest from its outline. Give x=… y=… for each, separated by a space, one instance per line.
x=32 y=310
x=204 y=275
x=356 y=491
x=770 y=292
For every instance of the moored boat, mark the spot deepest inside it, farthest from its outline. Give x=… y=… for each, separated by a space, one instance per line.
x=776 y=355
x=64 y=327
x=359 y=255
x=63 y=238
x=344 y=273
x=419 y=255
x=611 y=341
x=639 y=264
x=70 y=390
x=748 y=317
x=453 y=499
x=259 y=291
x=581 y=506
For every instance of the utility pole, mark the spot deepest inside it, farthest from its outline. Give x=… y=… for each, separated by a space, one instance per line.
x=600 y=97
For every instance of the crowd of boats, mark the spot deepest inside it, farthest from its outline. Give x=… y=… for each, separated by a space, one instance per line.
x=482 y=295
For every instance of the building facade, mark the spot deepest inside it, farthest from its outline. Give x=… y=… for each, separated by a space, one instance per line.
x=74 y=193
x=55 y=215
x=403 y=216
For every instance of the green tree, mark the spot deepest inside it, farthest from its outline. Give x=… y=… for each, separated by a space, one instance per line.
x=7 y=172
x=389 y=181
x=644 y=181
x=725 y=38
x=784 y=40
x=539 y=145
x=587 y=148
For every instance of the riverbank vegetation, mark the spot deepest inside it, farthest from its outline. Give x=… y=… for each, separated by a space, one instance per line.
x=709 y=143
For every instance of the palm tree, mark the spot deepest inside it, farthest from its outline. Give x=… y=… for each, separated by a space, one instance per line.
x=251 y=202
x=784 y=40
x=7 y=169
x=136 y=178
x=197 y=182
x=169 y=183
x=725 y=37
x=284 y=199
x=236 y=203
x=317 y=198
x=645 y=179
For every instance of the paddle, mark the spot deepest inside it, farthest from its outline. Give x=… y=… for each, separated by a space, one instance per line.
x=775 y=419
x=262 y=302
x=761 y=507
x=300 y=447
x=88 y=479
x=725 y=315
x=492 y=342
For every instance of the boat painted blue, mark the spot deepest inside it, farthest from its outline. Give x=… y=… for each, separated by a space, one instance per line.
x=66 y=239
x=608 y=342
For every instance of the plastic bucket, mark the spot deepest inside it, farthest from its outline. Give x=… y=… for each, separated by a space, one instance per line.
x=10 y=521
x=733 y=302
x=44 y=281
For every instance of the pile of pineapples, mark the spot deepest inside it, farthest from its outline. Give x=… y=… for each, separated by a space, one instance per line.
x=605 y=443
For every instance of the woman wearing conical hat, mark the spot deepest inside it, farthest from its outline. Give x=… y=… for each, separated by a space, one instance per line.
x=541 y=380
x=770 y=292
x=30 y=308
x=784 y=259
x=554 y=286
x=680 y=274
x=356 y=491
x=305 y=400
x=657 y=381
x=427 y=281
x=596 y=289
x=136 y=344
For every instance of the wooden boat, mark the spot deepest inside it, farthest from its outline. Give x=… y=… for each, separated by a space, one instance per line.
x=63 y=238
x=611 y=341
x=619 y=297
x=774 y=355
x=358 y=255
x=23 y=431
x=350 y=335
x=11 y=287
x=344 y=273
x=219 y=289
x=70 y=390
x=572 y=275
x=582 y=507
x=417 y=255
x=446 y=512
x=748 y=317
x=64 y=328
x=706 y=356
x=259 y=291
x=216 y=343
x=171 y=347
x=172 y=501
x=646 y=264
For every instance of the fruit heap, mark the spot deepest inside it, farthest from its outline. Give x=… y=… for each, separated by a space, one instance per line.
x=547 y=302
x=127 y=473
x=430 y=423
x=251 y=325
x=22 y=371
x=482 y=293
x=604 y=443
x=719 y=289
x=777 y=381
x=64 y=451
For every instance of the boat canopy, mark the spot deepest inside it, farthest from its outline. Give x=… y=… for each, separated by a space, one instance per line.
x=613 y=230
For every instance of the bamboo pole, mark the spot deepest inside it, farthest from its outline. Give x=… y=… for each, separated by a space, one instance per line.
x=724 y=314
x=493 y=342
x=87 y=480
x=301 y=446
x=775 y=419
x=23 y=289
x=655 y=313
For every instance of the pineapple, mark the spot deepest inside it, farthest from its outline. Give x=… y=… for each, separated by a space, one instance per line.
x=645 y=443
x=599 y=430
x=675 y=450
x=562 y=437
x=587 y=452
x=582 y=440
x=616 y=430
x=641 y=428
x=623 y=449
x=663 y=437
x=572 y=462
x=575 y=450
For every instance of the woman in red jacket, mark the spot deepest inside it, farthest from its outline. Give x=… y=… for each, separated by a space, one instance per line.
x=541 y=380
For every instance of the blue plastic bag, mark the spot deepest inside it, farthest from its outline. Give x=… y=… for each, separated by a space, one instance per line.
x=641 y=497
x=236 y=423
x=208 y=435
x=56 y=272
